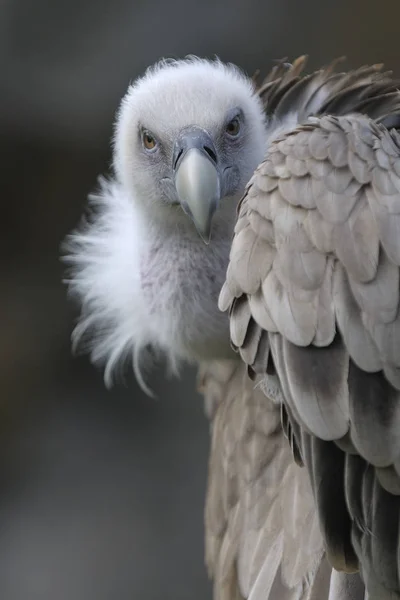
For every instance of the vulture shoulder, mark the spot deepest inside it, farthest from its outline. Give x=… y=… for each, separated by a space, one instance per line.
x=312 y=290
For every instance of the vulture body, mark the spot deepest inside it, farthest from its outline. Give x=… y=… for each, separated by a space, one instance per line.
x=309 y=302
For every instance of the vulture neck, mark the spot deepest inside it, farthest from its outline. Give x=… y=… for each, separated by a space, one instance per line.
x=181 y=278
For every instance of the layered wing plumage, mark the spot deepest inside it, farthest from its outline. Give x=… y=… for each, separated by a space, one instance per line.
x=262 y=535
x=313 y=294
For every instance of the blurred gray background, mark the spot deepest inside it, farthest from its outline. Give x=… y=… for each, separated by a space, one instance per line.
x=101 y=493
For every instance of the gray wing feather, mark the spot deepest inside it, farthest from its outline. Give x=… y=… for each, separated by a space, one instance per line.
x=326 y=204
x=263 y=540
x=262 y=532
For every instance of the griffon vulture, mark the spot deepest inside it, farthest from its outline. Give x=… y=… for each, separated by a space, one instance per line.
x=304 y=366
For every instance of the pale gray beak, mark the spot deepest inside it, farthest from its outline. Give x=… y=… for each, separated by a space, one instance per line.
x=197 y=178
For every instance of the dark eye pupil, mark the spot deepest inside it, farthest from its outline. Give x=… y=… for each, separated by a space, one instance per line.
x=233 y=126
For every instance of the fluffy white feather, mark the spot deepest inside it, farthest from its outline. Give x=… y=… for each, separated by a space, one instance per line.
x=105 y=277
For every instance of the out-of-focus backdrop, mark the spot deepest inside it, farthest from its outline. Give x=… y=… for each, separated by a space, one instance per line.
x=101 y=492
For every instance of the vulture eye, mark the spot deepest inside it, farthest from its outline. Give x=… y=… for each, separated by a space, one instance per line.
x=233 y=127
x=149 y=141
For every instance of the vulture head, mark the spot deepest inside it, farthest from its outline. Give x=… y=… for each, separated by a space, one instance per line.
x=189 y=134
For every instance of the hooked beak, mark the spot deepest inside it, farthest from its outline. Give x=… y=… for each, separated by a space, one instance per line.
x=197 y=178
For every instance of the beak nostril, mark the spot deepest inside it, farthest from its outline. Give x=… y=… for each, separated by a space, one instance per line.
x=178 y=157
x=211 y=153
